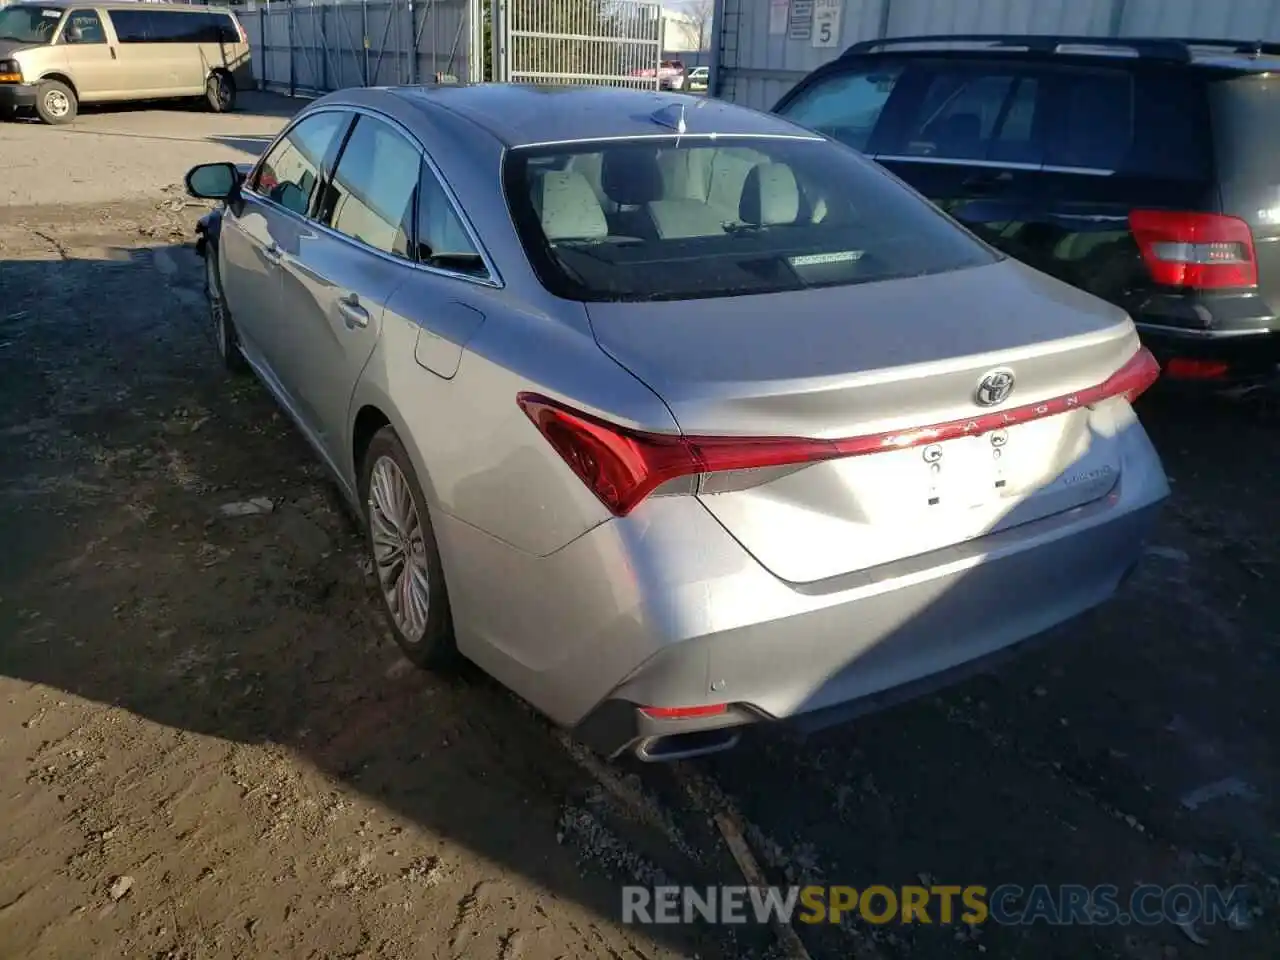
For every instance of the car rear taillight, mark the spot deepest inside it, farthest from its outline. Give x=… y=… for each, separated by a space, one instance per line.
x=1184 y=368
x=685 y=713
x=622 y=466
x=1205 y=251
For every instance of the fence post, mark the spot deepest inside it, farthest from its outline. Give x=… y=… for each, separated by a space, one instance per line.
x=1116 y=27
x=886 y=11
x=266 y=47
x=293 y=89
x=411 y=42
x=324 y=44
x=364 y=37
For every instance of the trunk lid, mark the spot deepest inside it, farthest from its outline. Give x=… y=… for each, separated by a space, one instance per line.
x=895 y=355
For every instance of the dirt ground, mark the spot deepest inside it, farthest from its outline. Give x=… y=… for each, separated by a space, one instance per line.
x=210 y=748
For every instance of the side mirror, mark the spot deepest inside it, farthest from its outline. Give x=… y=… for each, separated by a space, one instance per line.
x=212 y=181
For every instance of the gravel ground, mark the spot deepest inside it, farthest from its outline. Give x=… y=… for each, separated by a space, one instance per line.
x=209 y=748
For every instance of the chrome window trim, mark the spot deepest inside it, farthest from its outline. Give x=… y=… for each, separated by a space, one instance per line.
x=493 y=280
x=669 y=135
x=995 y=164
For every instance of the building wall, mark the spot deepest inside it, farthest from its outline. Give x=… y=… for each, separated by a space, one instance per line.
x=761 y=48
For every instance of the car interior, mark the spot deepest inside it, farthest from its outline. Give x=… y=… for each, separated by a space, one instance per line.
x=669 y=194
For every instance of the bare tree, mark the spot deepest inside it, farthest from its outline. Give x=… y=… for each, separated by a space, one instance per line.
x=701 y=12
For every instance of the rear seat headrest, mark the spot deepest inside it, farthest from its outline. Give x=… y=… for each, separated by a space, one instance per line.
x=567 y=206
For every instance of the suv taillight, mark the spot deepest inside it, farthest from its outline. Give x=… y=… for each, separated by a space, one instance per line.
x=1205 y=251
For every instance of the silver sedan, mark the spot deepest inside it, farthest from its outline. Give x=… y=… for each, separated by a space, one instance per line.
x=672 y=416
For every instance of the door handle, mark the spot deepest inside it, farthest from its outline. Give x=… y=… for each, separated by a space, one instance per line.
x=113 y=53
x=987 y=180
x=354 y=314
x=273 y=254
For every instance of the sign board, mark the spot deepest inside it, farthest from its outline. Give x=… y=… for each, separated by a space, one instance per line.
x=778 y=10
x=826 y=22
x=800 y=23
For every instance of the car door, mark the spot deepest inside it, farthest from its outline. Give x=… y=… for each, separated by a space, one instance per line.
x=273 y=205
x=967 y=134
x=339 y=271
x=91 y=56
x=1124 y=139
x=970 y=137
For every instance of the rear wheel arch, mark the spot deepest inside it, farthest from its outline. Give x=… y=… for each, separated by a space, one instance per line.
x=374 y=411
x=368 y=421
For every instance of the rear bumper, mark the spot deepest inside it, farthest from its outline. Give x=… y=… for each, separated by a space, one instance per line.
x=17 y=96
x=664 y=608
x=1247 y=358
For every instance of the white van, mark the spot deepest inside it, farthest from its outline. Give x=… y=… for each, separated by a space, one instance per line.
x=56 y=55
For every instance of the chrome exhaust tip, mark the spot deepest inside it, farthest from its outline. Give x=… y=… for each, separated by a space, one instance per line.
x=685 y=746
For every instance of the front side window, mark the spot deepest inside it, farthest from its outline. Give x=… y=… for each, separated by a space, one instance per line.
x=371 y=198
x=693 y=217
x=845 y=107
x=290 y=172
x=25 y=23
x=83 y=26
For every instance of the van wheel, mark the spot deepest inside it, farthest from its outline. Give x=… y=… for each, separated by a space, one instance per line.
x=220 y=93
x=55 y=102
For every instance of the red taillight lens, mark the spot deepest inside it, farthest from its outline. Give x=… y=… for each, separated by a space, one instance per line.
x=1206 y=251
x=622 y=466
x=1186 y=369
x=685 y=713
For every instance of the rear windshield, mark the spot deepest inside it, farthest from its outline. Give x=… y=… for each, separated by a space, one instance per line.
x=30 y=24
x=1246 y=128
x=698 y=217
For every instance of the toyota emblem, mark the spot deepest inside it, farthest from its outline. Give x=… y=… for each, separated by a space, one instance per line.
x=994 y=388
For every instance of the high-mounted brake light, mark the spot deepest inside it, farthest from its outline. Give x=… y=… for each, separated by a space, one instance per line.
x=1205 y=251
x=622 y=466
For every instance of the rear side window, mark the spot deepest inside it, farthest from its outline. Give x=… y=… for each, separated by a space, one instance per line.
x=371 y=198
x=968 y=115
x=173 y=26
x=1246 y=128
x=132 y=26
x=688 y=218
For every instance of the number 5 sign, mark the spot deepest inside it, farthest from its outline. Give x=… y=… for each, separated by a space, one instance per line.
x=826 y=22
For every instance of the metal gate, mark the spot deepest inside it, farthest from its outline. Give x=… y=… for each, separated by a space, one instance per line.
x=308 y=47
x=610 y=42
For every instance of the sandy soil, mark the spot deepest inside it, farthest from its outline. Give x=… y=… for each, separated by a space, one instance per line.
x=209 y=748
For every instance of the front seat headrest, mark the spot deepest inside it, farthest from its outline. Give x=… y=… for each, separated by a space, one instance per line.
x=631 y=176
x=770 y=195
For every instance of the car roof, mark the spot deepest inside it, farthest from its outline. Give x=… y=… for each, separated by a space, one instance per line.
x=525 y=114
x=1242 y=56
x=125 y=5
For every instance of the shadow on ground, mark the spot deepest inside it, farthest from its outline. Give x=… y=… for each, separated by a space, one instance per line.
x=121 y=583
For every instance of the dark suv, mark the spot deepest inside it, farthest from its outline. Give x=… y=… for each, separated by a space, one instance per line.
x=1146 y=171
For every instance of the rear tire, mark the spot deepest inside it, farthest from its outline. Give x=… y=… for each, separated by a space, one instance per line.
x=220 y=93
x=224 y=331
x=402 y=549
x=56 y=103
